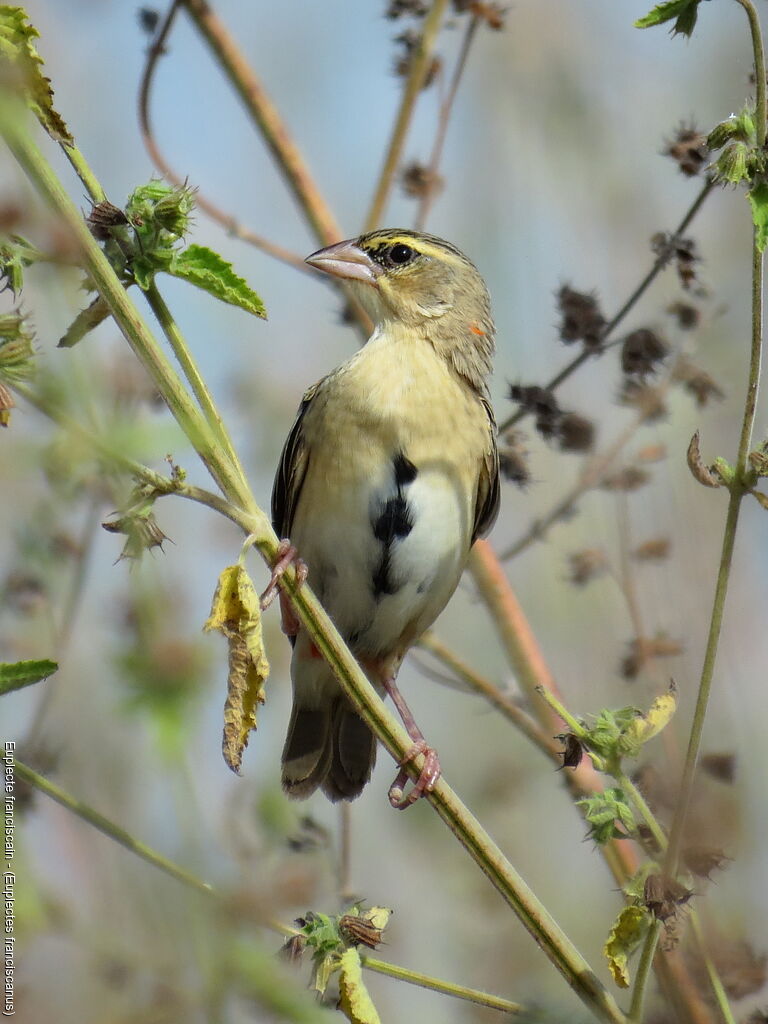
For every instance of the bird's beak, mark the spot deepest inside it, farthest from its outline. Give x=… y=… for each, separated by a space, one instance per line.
x=347 y=260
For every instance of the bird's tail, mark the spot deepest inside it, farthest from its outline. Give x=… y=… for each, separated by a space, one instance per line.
x=328 y=745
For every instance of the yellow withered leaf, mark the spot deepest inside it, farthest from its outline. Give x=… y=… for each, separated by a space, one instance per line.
x=645 y=727
x=626 y=935
x=236 y=613
x=354 y=1001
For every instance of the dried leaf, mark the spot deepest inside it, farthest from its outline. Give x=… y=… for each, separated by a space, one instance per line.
x=236 y=613
x=700 y=472
x=354 y=1001
x=645 y=726
x=625 y=936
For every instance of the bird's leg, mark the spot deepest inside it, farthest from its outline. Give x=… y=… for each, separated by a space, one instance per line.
x=286 y=555
x=430 y=773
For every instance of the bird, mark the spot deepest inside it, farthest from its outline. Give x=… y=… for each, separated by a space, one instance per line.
x=388 y=476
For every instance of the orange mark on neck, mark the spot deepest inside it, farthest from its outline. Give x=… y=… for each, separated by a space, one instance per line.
x=476 y=330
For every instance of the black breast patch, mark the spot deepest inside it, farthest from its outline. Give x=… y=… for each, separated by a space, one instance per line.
x=392 y=520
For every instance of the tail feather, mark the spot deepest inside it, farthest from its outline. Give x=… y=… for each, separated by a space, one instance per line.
x=307 y=751
x=353 y=754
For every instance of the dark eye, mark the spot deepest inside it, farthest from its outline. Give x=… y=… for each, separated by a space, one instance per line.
x=401 y=253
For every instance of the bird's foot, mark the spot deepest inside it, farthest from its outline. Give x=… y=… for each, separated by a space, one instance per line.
x=287 y=555
x=426 y=781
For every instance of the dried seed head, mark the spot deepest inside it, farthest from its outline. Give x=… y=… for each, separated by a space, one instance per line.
x=513 y=458
x=494 y=15
x=541 y=403
x=642 y=650
x=586 y=565
x=696 y=381
x=410 y=8
x=572 y=751
x=581 y=318
x=293 y=948
x=148 y=19
x=103 y=217
x=630 y=478
x=646 y=398
x=410 y=41
x=688 y=317
x=575 y=433
x=688 y=148
x=703 y=860
x=642 y=351
x=664 y=896
x=419 y=181
x=654 y=550
x=720 y=766
x=141 y=531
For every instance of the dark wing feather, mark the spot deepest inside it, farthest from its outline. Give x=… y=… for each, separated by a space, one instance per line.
x=488 y=489
x=292 y=470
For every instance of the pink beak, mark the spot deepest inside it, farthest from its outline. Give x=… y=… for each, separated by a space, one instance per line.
x=347 y=260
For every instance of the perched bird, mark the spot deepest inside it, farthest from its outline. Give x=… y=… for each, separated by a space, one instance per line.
x=388 y=476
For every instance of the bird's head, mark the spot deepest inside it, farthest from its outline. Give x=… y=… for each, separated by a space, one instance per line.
x=424 y=284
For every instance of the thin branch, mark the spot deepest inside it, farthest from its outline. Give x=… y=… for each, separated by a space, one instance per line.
x=446 y=108
x=414 y=83
x=227 y=221
x=658 y=265
x=590 y=477
x=261 y=108
x=495 y=697
x=109 y=828
x=643 y=974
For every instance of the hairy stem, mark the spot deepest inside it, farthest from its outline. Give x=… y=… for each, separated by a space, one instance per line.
x=194 y=377
x=413 y=85
x=738 y=490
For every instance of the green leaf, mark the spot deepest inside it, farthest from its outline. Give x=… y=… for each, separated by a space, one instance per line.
x=758 y=200
x=684 y=11
x=85 y=321
x=603 y=810
x=17 y=675
x=16 y=47
x=207 y=270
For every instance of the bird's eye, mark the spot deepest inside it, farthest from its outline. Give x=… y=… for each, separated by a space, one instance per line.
x=401 y=253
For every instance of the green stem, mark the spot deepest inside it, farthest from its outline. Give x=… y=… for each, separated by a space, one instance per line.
x=738 y=491
x=413 y=86
x=635 y=1015
x=639 y=801
x=471 y=995
x=194 y=377
x=759 y=58
x=562 y=711
x=721 y=996
x=109 y=828
x=84 y=172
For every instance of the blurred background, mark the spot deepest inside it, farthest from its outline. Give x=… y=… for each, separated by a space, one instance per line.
x=554 y=173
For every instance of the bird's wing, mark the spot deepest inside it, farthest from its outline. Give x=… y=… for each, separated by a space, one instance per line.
x=488 y=489
x=292 y=469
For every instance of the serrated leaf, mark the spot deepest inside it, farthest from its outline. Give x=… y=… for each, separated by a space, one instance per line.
x=354 y=1000
x=625 y=936
x=16 y=46
x=236 y=613
x=603 y=810
x=207 y=270
x=86 y=321
x=17 y=675
x=684 y=11
x=758 y=200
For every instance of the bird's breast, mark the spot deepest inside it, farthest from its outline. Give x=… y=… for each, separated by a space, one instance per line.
x=387 y=508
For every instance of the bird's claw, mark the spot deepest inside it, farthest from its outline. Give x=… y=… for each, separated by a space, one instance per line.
x=426 y=781
x=287 y=555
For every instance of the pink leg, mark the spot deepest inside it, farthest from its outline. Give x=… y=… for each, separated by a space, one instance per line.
x=430 y=773
x=286 y=555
